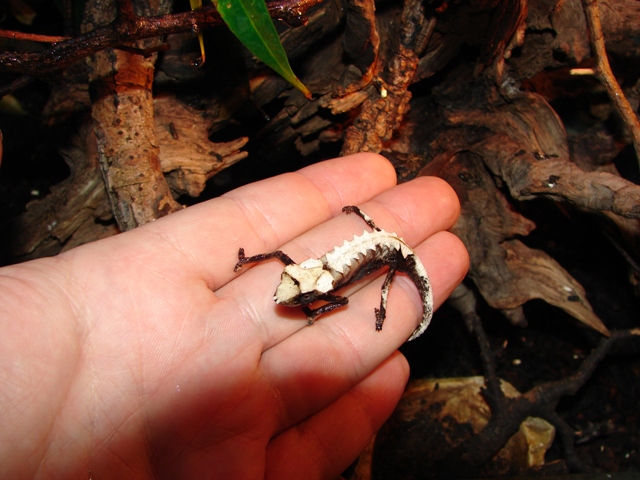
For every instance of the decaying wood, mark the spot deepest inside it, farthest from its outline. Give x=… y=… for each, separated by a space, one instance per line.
x=361 y=40
x=120 y=85
x=460 y=447
x=75 y=212
x=507 y=273
x=381 y=115
x=187 y=157
x=78 y=211
x=531 y=154
x=437 y=415
x=508 y=413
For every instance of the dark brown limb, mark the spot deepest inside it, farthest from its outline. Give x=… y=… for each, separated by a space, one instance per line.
x=335 y=301
x=243 y=260
x=353 y=209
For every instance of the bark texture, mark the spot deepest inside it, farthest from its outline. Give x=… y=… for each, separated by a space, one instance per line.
x=120 y=83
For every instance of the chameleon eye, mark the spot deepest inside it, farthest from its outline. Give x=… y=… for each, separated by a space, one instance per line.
x=306 y=298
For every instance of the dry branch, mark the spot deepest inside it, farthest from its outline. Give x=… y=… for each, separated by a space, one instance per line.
x=424 y=439
x=604 y=73
x=382 y=113
x=126 y=29
x=505 y=271
x=120 y=84
x=78 y=211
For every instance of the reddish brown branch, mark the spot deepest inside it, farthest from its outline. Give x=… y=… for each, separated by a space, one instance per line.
x=128 y=28
x=34 y=37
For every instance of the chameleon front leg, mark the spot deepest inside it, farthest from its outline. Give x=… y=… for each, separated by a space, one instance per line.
x=243 y=260
x=335 y=301
x=381 y=313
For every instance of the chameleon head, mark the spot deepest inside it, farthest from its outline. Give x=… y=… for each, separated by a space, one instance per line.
x=302 y=284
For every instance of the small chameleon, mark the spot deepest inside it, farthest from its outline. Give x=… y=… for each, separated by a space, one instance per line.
x=317 y=279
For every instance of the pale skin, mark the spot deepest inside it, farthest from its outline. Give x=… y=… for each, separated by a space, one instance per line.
x=144 y=355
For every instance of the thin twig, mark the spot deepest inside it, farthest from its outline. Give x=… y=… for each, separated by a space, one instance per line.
x=605 y=75
x=16 y=84
x=492 y=393
x=567 y=435
x=126 y=29
x=33 y=37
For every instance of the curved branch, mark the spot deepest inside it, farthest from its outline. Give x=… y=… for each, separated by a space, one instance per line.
x=127 y=28
x=33 y=37
x=605 y=75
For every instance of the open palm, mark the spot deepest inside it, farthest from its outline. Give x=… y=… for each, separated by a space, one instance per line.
x=145 y=355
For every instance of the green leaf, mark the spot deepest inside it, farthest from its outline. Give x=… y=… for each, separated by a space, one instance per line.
x=195 y=4
x=249 y=20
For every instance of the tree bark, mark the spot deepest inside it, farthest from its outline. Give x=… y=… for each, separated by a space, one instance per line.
x=120 y=84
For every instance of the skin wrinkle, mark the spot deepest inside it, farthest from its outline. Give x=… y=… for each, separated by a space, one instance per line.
x=318 y=443
x=173 y=242
x=198 y=441
x=159 y=273
x=273 y=239
x=224 y=434
x=344 y=340
x=42 y=290
x=326 y=211
x=250 y=314
x=330 y=364
x=281 y=409
x=316 y=449
x=142 y=389
x=345 y=404
x=174 y=345
x=376 y=170
x=319 y=449
x=49 y=439
x=37 y=450
x=257 y=217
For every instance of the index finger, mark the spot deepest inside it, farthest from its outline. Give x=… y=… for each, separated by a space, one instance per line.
x=265 y=215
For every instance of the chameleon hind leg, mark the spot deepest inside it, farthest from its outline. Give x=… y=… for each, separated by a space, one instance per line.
x=368 y=220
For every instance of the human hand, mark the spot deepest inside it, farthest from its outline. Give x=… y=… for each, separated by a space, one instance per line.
x=145 y=355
